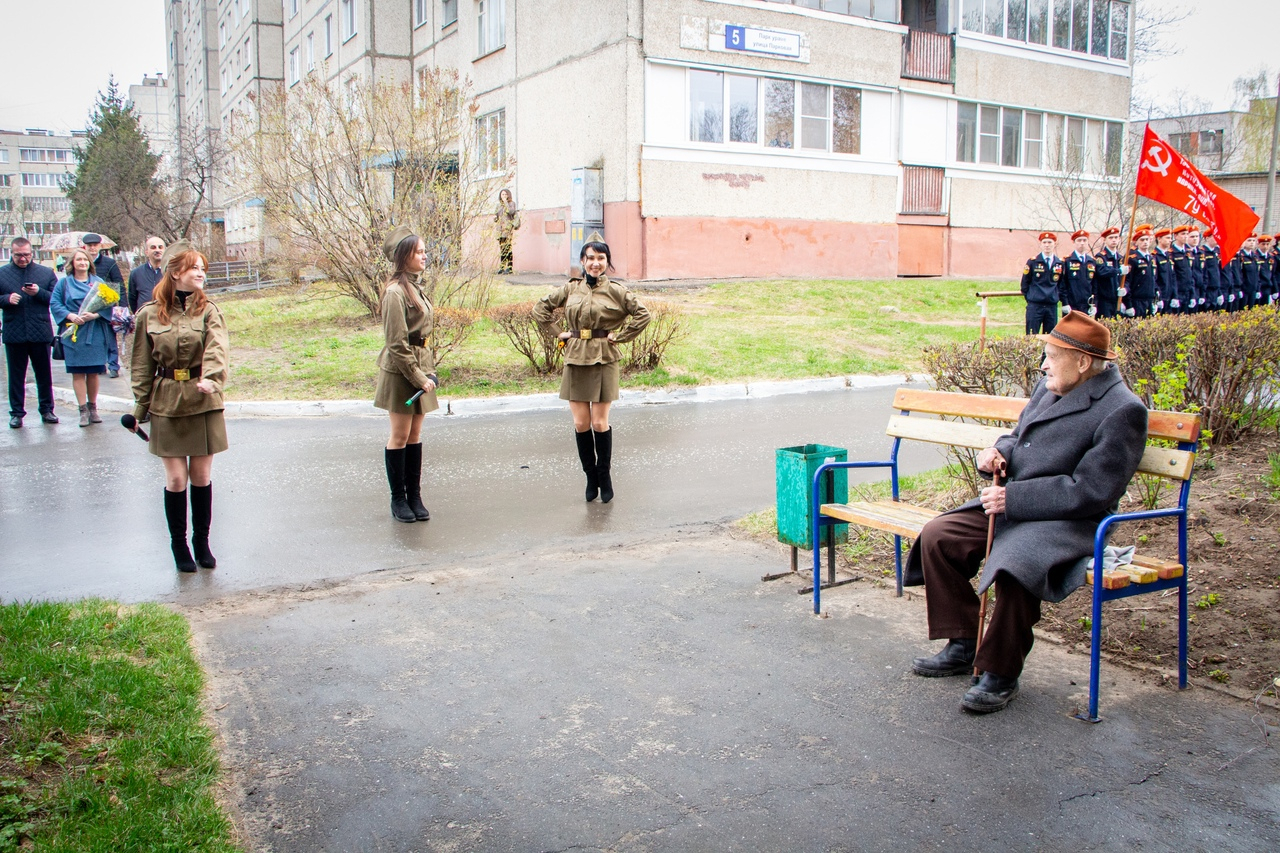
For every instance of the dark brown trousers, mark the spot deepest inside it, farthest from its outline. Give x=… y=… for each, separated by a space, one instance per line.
x=952 y=547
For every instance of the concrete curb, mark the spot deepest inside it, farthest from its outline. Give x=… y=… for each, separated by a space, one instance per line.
x=472 y=406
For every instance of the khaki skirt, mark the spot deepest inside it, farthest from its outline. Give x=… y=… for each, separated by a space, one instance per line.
x=590 y=383
x=393 y=389
x=192 y=435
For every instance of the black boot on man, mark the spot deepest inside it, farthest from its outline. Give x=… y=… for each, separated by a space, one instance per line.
x=413 y=481
x=201 y=517
x=400 y=509
x=175 y=512
x=956 y=658
x=604 y=458
x=587 y=455
x=991 y=693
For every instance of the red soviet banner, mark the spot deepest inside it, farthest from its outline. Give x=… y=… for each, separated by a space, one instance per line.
x=1166 y=176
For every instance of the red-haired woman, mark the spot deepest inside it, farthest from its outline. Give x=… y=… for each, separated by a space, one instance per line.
x=180 y=353
x=406 y=371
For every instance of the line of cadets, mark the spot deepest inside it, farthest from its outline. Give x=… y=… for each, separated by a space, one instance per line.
x=1167 y=271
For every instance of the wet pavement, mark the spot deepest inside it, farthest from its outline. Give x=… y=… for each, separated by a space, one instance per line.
x=529 y=672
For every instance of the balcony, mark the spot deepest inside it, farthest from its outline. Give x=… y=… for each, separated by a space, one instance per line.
x=929 y=56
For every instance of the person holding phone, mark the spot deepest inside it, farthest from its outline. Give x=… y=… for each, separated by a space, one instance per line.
x=406 y=366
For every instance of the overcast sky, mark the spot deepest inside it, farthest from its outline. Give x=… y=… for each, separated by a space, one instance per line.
x=58 y=54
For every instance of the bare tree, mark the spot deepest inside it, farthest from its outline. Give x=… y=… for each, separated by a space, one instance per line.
x=338 y=167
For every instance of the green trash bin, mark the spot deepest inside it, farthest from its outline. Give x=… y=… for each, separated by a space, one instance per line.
x=795 y=467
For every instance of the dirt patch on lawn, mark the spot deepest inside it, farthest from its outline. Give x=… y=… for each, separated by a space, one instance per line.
x=1233 y=550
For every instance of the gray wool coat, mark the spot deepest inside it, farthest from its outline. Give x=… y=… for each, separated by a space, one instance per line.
x=1069 y=461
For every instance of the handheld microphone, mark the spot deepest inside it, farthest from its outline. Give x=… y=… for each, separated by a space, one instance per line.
x=130 y=423
x=421 y=391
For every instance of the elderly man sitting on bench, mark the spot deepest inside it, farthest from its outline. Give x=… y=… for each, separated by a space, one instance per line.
x=1068 y=462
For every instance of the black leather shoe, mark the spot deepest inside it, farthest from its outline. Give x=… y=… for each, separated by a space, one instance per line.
x=991 y=693
x=15 y=422
x=956 y=658
x=49 y=417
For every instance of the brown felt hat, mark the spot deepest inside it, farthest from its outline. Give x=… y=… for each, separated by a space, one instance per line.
x=1079 y=331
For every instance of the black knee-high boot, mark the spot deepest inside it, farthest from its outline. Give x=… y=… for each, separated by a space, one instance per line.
x=587 y=453
x=413 y=481
x=604 y=457
x=201 y=516
x=400 y=510
x=175 y=512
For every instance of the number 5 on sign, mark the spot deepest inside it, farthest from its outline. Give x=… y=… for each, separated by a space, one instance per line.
x=734 y=37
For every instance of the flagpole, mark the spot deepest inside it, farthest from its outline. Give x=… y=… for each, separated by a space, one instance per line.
x=1133 y=217
x=1267 y=222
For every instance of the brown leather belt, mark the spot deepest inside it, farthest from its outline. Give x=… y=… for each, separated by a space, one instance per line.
x=416 y=340
x=182 y=374
x=588 y=334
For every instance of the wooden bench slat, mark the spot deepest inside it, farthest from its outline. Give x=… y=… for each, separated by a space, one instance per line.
x=898 y=518
x=962 y=405
x=1174 y=426
x=1166 y=462
x=934 y=431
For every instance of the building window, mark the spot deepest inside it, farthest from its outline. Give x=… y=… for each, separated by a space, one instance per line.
x=880 y=10
x=1211 y=141
x=43 y=179
x=1115 y=148
x=248 y=56
x=294 y=73
x=1027 y=139
x=1097 y=27
x=222 y=36
x=448 y=13
x=419 y=12
x=328 y=35
x=5 y=204
x=293 y=8
x=489 y=21
x=226 y=77
x=4 y=155
x=311 y=51
x=42 y=155
x=1185 y=143
x=5 y=180
x=829 y=117
x=347 y=9
x=491 y=133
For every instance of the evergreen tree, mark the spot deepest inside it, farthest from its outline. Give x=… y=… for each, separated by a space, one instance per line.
x=115 y=188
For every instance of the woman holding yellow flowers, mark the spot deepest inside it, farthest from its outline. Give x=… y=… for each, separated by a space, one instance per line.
x=85 y=348
x=180 y=355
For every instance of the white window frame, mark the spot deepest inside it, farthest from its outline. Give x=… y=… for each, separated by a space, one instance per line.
x=293 y=8
x=347 y=18
x=328 y=36
x=491 y=25
x=764 y=84
x=985 y=17
x=448 y=13
x=248 y=53
x=492 y=161
x=295 y=71
x=311 y=51
x=419 y=13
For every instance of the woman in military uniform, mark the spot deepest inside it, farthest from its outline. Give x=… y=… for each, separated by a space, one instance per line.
x=600 y=314
x=406 y=371
x=180 y=358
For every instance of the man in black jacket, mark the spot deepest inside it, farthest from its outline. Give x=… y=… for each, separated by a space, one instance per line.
x=144 y=277
x=106 y=268
x=1040 y=278
x=25 y=288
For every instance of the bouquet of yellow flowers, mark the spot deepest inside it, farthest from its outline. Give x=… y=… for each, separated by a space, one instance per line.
x=102 y=296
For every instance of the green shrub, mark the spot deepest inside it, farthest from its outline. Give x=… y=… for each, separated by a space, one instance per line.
x=540 y=347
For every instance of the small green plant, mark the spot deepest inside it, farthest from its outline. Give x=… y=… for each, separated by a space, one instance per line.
x=1272 y=477
x=1220 y=676
x=1143 y=539
x=1219 y=539
x=1086 y=623
x=15 y=812
x=1209 y=600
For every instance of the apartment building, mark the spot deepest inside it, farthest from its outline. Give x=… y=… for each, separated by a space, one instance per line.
x=150 y=100
x=35 y=165
x=852 y=138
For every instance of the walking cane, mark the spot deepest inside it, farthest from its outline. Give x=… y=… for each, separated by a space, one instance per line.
x=986 y=595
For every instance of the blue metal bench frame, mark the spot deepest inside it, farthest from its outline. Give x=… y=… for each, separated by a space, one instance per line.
x=1100 y=594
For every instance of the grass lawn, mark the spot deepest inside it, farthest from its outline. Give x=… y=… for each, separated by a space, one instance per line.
x=101 y=742
x=317 y=344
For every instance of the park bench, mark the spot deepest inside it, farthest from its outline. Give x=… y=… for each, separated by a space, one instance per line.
x=995 y=415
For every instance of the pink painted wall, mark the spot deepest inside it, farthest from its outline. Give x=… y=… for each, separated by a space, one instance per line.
x=540 y=245
x=994 y=253
x=697 y=247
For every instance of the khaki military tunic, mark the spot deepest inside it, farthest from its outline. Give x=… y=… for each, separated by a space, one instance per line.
x=591 y=363
x=184 y=422
x=408 y=356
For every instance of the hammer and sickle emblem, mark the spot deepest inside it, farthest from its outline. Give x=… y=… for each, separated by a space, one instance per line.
x=1157 y=163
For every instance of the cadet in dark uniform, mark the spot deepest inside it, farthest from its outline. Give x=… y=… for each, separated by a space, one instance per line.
x=406 y=365
x=1166 y=290
x=1183 y=286
x=601 y=314
x=1214 y=289
x=1266 y=263
x=1075 y=290
x=1250 y=283
x=1233 y=282
x=1111 y=270
x=1040 y=279
x=180 y=359
x=1141 y=281
x=1195 y=253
